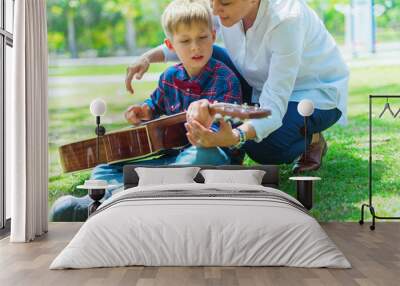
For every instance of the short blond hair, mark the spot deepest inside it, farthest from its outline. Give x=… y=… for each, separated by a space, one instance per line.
x=185 y=12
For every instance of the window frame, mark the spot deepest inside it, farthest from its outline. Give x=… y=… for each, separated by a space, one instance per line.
x=6 y=39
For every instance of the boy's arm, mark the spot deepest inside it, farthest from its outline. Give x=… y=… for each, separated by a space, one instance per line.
x=136 y=113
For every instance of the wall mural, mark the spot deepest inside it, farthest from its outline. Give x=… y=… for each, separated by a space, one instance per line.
x=113 y=102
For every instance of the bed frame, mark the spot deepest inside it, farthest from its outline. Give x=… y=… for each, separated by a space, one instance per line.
x=270 y=179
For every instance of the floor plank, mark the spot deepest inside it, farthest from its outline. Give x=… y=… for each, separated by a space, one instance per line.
x=374 y=255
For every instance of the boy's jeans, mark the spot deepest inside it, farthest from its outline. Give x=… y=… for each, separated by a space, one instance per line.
x=189 y=156
x=69 y=208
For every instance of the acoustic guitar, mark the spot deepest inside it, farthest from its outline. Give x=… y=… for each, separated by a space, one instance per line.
x=149 y=138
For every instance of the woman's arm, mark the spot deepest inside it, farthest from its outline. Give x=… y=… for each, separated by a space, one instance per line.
x=140 y=67
x=286 y=45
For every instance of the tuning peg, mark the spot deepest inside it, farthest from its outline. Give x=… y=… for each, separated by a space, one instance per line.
x=245 y=105
x=236 y=120
x=235 y=103
x=257 y=106
x=217 y=117
x=227 y=117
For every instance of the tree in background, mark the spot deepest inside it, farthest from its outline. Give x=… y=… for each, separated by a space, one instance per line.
x=333 y=20
x=389 y=21
x=128 y=11
x=103 y=27
x=61 y=16
x=124 y=27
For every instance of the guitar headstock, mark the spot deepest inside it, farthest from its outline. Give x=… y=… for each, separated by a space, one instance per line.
x=238 y=112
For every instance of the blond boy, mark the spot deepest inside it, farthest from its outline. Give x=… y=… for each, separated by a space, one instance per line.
x=189 y=32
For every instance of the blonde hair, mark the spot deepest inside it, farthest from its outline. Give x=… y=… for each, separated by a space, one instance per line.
x=185 y=12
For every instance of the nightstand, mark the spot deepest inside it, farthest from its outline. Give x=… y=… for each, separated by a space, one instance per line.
x=304 y=190
x=96 y=195
x=96 y=190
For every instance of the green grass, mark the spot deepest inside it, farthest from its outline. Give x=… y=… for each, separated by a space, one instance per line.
x=344 y=185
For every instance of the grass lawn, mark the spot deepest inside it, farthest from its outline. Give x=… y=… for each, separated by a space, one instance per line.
x=344 y=185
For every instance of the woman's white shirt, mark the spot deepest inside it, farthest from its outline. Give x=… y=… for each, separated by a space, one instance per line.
x=287 y=55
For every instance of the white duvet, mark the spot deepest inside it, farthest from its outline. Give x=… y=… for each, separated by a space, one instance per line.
x=183 y=231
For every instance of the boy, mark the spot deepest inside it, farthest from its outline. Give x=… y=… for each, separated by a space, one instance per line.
x=189 y=33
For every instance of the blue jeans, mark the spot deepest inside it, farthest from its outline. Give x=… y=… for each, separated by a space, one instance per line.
x=189 y=156
x=286 y=143
x=69 y=208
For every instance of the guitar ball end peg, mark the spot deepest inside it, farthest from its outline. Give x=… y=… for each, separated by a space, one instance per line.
x=227 y=117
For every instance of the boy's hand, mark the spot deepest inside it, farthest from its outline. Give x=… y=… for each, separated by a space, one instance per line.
x=135 y=114
x=199 y=111
x=136 y=70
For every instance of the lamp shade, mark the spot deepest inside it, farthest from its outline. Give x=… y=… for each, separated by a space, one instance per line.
x=98 y=107
x=305 y=107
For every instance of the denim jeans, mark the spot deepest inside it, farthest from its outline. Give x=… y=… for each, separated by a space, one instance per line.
x=69 y=208
x=286 y=143
x=282 y=146
x=191 y=155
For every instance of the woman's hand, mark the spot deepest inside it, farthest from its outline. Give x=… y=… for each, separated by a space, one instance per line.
x=135 y=114
x=199 y=111
x=199 y=135
x=137 y=70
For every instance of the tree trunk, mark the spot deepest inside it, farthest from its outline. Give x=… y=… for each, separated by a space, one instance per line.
x=130 y=35
x=71 y=35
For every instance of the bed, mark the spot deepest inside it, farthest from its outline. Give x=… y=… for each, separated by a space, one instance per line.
x=201 y=224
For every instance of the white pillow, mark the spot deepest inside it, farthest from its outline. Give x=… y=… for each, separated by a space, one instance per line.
x=166 y=176
x=248 y=177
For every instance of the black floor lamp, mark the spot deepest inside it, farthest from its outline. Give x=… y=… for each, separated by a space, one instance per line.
x=305 y=183
x=306 y=109
x=98 y=108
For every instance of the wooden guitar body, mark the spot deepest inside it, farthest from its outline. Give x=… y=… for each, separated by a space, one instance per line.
x=133 y=143
x=149 y=138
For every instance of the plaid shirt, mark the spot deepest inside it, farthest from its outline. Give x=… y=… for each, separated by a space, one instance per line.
x=176 y=89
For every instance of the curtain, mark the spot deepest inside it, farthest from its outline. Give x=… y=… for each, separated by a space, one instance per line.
x=26 y=117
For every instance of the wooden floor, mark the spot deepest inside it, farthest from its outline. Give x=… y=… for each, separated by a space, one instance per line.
x=374 y=255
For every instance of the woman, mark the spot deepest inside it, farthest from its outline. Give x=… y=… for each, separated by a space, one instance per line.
x=282 y=49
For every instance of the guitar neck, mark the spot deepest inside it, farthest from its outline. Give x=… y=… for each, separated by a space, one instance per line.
x=241 y=112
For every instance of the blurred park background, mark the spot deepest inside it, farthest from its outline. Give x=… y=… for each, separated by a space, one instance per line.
x=92 y=42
